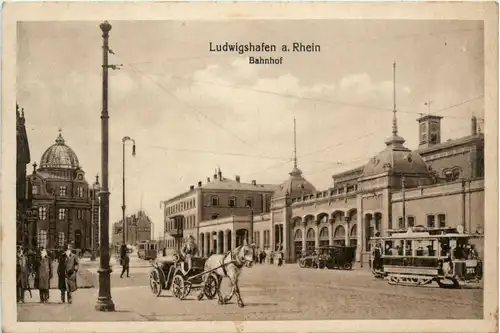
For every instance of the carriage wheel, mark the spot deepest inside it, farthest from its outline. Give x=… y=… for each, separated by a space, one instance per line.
x=321 y=265
x=155 y=282
x=302 y=263
x=210 y=288
x=187 y=289
x=348 y=265
x=178 y=287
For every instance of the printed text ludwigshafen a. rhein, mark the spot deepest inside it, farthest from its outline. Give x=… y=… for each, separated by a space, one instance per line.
x=263 y=47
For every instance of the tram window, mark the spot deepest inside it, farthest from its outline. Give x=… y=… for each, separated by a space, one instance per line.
x=387 y=248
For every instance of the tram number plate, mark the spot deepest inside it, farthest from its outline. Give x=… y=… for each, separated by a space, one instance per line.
x=471 y=270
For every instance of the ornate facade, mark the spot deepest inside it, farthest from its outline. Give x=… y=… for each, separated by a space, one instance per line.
x=63 y=199
x=23 y=196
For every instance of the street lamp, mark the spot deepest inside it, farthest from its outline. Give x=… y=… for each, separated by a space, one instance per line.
x=104 y=301
x=124 y=140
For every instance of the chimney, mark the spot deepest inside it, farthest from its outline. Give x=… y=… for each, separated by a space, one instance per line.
x=237 y=178
x=191 y=187
x=254 y=182
x=215 y=176
x=220 y=174
x=208 y=179
x=199 y=184
x=474 y=125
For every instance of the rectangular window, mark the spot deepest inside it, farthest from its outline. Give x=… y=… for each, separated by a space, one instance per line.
x=42 y=213
x=401 y=225
x=80 y=192
x=34 y=190
x=431 y=221
x=442 y=220
x=61 y=239
x=62 y=191
x=62 y=213
x=215 y=201
x=42 y=238
x=411 y=221
x=249 y=202
x=232 y=202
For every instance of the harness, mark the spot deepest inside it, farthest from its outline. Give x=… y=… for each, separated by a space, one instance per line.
x=234 y=260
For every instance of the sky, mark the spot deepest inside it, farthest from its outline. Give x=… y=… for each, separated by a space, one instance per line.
x=191 y=110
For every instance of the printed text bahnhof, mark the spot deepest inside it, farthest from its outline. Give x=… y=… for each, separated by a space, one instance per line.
x=263 y=47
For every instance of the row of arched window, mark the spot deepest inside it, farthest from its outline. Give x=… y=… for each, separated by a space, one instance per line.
x=339 y=233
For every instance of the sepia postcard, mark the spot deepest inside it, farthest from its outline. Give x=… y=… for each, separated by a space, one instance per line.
x=249 y=167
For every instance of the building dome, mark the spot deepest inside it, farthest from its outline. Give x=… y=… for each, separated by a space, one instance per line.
x=396 y=159
x=295 y=186
x=59 y=155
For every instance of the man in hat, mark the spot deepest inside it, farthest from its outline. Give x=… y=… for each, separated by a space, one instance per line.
x=188 y=250
x=66 y=270
x=43 y=274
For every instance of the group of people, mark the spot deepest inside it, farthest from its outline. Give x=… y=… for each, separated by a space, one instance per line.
x=39 y=266
x=261 y=255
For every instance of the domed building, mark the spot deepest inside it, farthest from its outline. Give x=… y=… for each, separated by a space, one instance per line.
x=63 y=199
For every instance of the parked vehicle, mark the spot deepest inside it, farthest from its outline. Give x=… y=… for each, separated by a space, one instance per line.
x=420 y=257
x=336 y=257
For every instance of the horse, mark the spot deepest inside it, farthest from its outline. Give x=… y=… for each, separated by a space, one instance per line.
x=228 y=265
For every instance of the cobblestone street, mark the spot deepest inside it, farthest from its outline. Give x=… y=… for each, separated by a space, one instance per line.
x=270 y=293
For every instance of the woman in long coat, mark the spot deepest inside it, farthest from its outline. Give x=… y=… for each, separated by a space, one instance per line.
x=66 y=270
x=43 y=275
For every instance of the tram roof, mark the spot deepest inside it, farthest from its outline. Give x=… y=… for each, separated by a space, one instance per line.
x=425 y=236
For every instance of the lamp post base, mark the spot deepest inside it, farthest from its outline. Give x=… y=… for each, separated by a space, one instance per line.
x=105 y=305
x=104 y=301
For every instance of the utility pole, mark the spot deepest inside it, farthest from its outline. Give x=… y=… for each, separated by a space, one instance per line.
x=124 y=220
x=104 y=301
x=403 y=183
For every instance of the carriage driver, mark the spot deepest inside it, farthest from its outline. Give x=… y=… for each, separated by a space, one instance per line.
x=189 y=249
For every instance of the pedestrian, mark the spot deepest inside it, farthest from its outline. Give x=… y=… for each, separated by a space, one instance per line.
x=43 y=275
x=164 y=251
x=124 y=260
x=22 y=274
x=66 y=270
x=280 y=258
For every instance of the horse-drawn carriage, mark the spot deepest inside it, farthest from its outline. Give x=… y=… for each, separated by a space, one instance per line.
x=187 y=272
x=176 y=275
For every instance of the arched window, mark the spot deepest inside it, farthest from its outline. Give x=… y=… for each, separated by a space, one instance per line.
x=42 y=238
x=354 y=231
x=339 y=232
x=323 y=234
x=298 y=234
x=310 y=234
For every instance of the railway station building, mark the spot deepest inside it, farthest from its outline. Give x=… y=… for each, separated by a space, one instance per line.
x=438 y=184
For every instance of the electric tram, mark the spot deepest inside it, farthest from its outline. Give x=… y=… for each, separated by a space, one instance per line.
x=147 y=250
x=420 y=256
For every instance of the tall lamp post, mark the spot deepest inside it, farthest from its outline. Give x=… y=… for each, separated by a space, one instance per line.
x=104 y=301
x=125 y=140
